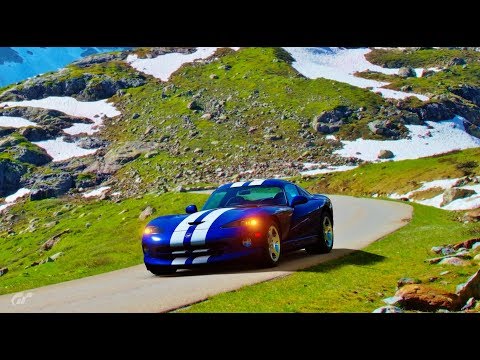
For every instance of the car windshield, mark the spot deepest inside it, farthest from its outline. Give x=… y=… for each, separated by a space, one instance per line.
x=246 y=196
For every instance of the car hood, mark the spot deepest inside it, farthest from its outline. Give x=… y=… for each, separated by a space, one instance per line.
x=206 y=219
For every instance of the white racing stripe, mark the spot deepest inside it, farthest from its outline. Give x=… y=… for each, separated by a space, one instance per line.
x=238 y=184
x=179 y=261
x=179 y=233
x=257 y=182
x=200 y=232
x=201 y=259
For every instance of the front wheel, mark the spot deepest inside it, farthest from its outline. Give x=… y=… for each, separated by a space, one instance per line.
x=324 y=243
x=272 y=248
x=161 y=270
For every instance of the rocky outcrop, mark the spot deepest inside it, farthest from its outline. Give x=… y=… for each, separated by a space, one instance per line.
x=47 y=245
x=468 y=92
x=32 y=133
x=456 y=61
x=50 y=185
x=425 y=298
x=385 y=128
x=10 y=175
x=100 y=58
x=157 y=51
x=32 y=155
x=330 y=121
x=407 y=72
x=472 y=215
x=51 y=119
x=114 y=159
x=455 y=193
x=86 y=87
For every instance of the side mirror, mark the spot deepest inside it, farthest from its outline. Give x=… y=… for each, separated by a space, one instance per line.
x=190 y=209
x=298 y=200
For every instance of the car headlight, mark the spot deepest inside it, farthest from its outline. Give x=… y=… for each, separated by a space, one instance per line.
x=149 y=230
x=249 y=223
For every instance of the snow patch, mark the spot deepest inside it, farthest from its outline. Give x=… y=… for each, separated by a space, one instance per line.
x=15 y=121
x=163 y=66
x=341 y=65
x=471 y=202
x=61 y=150
x=444 y=136
x=10 y=200
x=96 y=192
x=21 y=192
x=325 y=169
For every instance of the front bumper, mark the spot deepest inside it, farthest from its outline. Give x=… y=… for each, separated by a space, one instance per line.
x=225 y=246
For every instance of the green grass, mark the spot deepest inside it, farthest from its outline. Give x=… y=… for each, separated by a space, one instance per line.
x=394 y=58
x=358 y=282
x=396 y=176
x=103 y=236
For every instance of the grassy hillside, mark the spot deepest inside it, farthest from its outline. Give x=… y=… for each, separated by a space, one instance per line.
x=97 y=236
x=396 y=176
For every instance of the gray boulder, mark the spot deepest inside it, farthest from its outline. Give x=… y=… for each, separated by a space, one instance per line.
x=469 y=289
x=148 y=211
x=455 y=193
x=407 y=72
x=385 y=154
x=3 y=271
x=330 y=121
x=468 y=92
x=456 y=61
x=384 y=128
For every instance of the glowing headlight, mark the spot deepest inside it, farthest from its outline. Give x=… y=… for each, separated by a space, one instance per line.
x=149 y=230
x=250 y=223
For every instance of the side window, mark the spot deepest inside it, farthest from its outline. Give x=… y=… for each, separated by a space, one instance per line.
x=291 y=191
x=303 y=192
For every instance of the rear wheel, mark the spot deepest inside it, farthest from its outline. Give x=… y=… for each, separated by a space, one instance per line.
x=161 y=270
x=324 y=243
x=272 y=248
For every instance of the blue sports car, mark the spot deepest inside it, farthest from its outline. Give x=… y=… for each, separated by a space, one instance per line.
x=258 y=219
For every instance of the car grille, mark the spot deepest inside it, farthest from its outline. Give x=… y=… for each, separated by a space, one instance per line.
x=172 y=252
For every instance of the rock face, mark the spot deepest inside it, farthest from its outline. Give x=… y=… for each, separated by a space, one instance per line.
x=407 y=72
x=114 y=159
x=455 y=193
x=385 y=154
x=148 y=211
x=10 y=175
x=468 y=92
x=86 y=87
x=469 y=289
x=51 y=185
x=330 y=121
x=34 y=155
x=467 y=244
x=424 y=298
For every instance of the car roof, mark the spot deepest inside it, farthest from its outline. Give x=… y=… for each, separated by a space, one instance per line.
x=255 y=182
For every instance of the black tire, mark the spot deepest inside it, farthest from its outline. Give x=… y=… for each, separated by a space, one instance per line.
x=271 y=251
x=324 y=244
x=161 y=270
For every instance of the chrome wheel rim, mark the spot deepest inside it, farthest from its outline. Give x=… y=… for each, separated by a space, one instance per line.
x=328 y=231
x=273 y=239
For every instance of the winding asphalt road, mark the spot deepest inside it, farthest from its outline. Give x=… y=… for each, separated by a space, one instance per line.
x=358 y=222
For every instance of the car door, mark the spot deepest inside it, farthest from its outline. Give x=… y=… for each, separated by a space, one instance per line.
x=301 y=229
